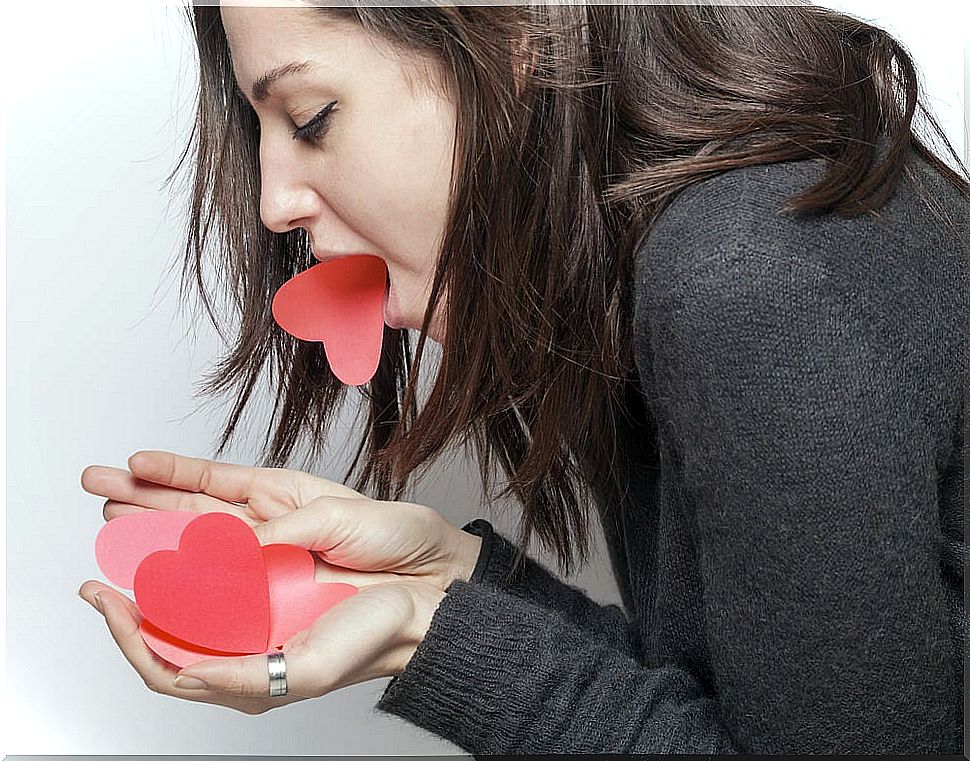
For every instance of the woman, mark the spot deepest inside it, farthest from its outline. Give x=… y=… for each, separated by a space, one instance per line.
x=689 y=263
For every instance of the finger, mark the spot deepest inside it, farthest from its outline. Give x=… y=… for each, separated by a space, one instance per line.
x=113 y=509
x=229 y=481
x=269 y=492
x=89 y=589
x=157 y=673
x=123 y=488
x=248 y=676
x=123 y=619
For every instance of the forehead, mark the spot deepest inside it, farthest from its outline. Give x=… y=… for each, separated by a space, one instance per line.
x=267 y=36
x=263 y=38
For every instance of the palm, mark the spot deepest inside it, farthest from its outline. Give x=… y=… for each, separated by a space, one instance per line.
x=351 y=642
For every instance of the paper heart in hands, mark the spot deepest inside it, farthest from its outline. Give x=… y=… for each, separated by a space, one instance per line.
x=341 y=303
x=207 y=589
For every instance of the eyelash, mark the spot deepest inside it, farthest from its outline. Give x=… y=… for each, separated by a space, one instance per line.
x=314 y=129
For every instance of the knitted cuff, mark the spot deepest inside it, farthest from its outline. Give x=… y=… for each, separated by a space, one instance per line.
x=482 y=528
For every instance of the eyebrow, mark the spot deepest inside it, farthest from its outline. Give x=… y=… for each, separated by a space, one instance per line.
x=261 y=87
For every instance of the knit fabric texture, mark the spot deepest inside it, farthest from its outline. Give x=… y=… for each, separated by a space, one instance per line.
x=791 y=572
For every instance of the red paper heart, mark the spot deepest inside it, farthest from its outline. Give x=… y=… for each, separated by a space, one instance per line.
x=341 y=303
x=212 y=591
x=179 y=652
x=297 y=600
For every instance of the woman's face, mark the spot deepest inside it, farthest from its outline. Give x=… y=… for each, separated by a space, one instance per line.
x=376 y=179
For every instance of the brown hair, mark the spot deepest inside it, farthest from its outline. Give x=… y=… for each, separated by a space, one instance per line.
x=576 y=126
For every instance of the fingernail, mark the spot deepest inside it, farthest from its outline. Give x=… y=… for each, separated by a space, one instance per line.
x=189 y=683
x=98 y=603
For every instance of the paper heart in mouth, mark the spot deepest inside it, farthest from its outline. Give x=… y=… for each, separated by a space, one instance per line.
x=341 y=303
x=198 y=585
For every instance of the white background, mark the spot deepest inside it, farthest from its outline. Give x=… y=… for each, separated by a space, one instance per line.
x=100 y=365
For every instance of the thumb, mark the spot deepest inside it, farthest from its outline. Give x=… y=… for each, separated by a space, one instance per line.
x=307 y=527
x=319 y=526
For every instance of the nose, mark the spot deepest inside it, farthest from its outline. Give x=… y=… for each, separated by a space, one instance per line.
x=291 y=196
x=287 y=199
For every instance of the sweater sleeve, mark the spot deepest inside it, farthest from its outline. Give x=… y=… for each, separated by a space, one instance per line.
x=534 y=582
x=500 y=674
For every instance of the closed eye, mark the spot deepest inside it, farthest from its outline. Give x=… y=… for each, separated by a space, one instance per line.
x=314 y=129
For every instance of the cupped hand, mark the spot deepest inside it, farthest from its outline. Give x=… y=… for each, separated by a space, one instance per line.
x=366 y=636
x=356 y=540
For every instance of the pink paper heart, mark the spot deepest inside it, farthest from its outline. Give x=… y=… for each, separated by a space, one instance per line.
x=296 y=598
x=212 y=591
x=341 y=303
x=123 y=542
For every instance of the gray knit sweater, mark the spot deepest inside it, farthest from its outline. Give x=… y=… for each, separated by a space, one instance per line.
x=792 y=573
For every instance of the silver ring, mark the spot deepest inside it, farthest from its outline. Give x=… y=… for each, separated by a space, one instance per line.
x=277 y=674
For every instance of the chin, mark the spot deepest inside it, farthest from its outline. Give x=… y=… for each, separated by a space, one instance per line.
x=398 y=322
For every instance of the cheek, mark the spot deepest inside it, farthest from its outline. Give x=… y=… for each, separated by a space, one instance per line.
x=399 y=187
x=398 y=175
x=372 y=197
